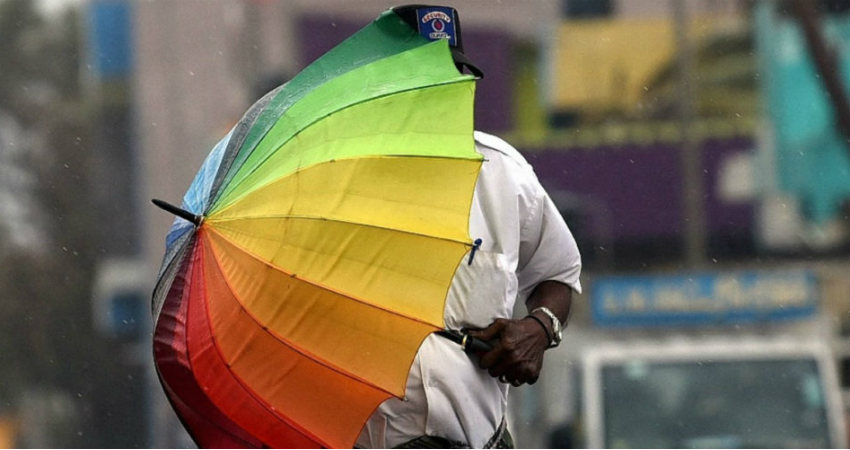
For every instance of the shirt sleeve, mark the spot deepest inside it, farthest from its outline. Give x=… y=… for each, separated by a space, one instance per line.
x=547 y=250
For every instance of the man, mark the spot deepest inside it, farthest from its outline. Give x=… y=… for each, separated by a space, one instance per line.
x=454 y=399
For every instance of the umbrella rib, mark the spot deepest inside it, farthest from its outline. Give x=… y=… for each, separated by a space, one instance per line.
x=321 y=286
x=238 y=380
x=342 y=221
x=233 y=201
x=168 y=271
x=330 y=113
x=294 y=347
x=251 y=392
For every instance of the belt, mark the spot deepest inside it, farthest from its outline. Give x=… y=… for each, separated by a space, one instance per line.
x=501 y=439
x=496 y=439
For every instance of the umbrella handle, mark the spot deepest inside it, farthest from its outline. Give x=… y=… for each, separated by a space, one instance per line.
x=468 y=343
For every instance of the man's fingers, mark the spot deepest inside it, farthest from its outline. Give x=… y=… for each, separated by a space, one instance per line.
x=513 y=373
x=515 y=357
x=490 y=359
x=492 y=331
x=501 y=368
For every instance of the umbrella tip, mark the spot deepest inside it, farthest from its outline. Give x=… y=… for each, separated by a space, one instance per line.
x=179 y=212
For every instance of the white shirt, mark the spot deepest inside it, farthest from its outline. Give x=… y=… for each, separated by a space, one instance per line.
x=524 y=242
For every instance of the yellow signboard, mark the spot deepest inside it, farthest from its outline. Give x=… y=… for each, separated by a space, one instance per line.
x=608 y=65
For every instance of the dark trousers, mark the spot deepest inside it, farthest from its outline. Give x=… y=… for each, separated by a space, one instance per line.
x=503 y=441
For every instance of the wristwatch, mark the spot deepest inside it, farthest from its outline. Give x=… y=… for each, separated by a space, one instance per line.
x=557 y=332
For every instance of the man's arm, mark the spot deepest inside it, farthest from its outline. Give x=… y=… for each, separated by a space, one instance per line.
x=518 y=344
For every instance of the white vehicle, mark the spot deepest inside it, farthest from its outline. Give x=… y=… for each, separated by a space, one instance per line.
x=725 y=359
x=732 y=393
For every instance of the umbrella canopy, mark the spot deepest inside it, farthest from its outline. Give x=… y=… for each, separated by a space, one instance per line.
x=316 y=246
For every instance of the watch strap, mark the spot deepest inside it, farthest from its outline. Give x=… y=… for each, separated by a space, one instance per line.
x=556 y=325
x=542 y=325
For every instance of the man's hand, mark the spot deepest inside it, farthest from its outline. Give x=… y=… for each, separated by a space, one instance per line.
x=518 y=345
x=517 y=354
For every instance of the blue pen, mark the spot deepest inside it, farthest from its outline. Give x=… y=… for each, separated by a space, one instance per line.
x=474 y=249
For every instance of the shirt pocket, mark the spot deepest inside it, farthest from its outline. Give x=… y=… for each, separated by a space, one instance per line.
x=481 y=292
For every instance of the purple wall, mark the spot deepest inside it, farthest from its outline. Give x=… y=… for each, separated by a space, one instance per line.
x=723 y=216
x=629 y=192
x=490 y=50
x=635 y=192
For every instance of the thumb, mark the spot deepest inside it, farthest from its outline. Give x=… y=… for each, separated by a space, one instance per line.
x=492 y=331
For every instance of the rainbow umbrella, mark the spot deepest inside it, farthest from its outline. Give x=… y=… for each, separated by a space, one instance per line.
x=314 y=250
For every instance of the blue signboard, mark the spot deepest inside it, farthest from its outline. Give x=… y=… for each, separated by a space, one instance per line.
x=704 y=298
x=110 y=38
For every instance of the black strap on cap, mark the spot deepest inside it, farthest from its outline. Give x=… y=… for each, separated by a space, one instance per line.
x=439 y=22
x=462 y=60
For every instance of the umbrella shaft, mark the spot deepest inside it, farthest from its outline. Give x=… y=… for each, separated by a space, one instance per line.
x=179 y=212
x=467 y=342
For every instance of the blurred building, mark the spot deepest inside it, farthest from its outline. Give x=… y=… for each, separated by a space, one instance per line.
x=17 y=216
x=198 y=68
x=198 y=65
x=595 y=109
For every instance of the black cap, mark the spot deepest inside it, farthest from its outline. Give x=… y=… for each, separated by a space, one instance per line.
x=439 y=22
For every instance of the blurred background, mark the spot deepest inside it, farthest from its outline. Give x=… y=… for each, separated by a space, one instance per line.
x=699 y=150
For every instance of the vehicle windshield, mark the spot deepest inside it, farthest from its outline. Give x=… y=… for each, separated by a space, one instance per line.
x=712 y=404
